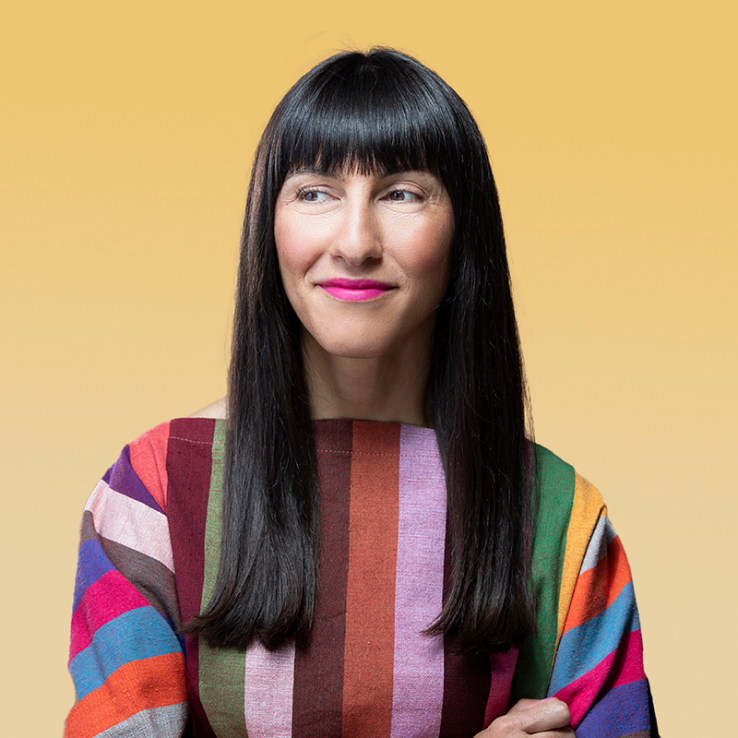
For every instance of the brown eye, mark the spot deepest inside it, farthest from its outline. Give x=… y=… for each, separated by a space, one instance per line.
x=312 y=196
x=403 y=196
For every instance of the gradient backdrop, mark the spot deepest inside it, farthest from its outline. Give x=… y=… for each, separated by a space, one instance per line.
x=127 y=133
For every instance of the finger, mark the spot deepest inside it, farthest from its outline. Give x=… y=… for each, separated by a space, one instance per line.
x=524 y=704
x=550 y=714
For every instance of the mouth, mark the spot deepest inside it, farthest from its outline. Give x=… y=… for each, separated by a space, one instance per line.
x=355 y=289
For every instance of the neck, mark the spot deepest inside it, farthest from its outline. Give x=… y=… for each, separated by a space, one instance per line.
x=386 y=388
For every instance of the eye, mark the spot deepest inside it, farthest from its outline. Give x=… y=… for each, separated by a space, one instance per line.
x=312 y=196
x=402 y=195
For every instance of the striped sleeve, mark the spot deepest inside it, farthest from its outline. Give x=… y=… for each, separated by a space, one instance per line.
x=125 y=657
x=598 y=666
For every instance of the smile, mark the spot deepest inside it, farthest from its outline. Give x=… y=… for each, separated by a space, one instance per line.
x=355 y=289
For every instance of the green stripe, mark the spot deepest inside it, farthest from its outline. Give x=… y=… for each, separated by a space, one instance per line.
x=221 y=669
x=555 y=497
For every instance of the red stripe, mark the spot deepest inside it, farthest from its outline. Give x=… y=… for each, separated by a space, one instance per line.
x=598 y=587
x=318 y=685
x=148 y=458
x=466 y=678
x=370 y=616
x=622 y=666
x=189 y=467
x=136 y=686
x=104 y=600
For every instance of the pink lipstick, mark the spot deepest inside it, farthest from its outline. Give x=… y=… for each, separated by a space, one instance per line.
x=355 y=289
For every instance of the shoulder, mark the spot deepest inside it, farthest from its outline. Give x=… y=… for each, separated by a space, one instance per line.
x=175 y=447
x=215 y=409
x=563 y=492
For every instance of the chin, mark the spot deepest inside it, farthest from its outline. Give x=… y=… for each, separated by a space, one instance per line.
x=350 y=350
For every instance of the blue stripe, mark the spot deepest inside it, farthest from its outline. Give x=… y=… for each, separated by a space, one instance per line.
x=133 y=636
x=91 y=565
x=583 y=647
x=621 y=712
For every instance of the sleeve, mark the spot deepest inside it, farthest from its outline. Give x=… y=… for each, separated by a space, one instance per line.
x=598 y=663
x=126 y=659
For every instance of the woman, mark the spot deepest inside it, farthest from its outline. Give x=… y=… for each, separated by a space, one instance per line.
x=365 y=543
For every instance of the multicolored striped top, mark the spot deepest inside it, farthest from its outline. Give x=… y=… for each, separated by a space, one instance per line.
x=149 y=557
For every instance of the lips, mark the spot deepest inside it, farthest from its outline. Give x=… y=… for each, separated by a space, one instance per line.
x=355 y=289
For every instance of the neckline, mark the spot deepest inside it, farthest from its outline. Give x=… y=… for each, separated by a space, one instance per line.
x=327 y=422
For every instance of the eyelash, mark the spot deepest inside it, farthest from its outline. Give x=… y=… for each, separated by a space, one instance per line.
x=303 y=191
x=413 y=196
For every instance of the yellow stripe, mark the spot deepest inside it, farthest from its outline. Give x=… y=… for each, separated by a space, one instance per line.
x=586 y=510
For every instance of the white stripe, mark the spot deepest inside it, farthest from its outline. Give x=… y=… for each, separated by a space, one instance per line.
x=268 y=684
x=131 y=523
x=157 y=722
x=602 y=536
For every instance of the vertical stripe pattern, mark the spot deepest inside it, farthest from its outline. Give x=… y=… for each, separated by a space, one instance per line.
x=149 y=558
x=370 y=592
x=419 y=586
x=318 y=687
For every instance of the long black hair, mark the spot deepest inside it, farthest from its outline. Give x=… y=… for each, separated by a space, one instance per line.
x=379 y=111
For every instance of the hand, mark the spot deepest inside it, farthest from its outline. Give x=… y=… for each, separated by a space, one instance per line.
x=544 y=718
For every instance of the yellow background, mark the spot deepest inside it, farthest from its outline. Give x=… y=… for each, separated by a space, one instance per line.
x=127 y=132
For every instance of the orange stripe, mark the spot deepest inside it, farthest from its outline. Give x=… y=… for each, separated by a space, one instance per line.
x=148 y=459
x=599 y=586
x=136 y=686
x=370 y=593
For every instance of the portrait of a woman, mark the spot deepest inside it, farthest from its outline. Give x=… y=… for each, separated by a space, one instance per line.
x=362 y=539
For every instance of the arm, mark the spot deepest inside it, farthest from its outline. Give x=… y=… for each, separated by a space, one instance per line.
x=586 y=649
x=598 y=665
x=125 y=657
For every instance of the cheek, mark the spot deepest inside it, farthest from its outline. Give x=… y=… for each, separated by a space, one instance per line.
x=300 y=243
x=430 y=256
x=291 y=252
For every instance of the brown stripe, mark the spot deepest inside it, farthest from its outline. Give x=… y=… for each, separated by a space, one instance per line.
x=189 y=456
x=466 y=679
x=370 y=612
x=318 y=685
x=150 y=577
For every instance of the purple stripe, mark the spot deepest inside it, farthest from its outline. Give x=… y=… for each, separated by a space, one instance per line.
x=417 y=702
x=123 y=477
x=91 y=565
x=622 y=711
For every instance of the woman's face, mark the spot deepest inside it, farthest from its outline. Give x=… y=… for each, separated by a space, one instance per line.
x=365 y=258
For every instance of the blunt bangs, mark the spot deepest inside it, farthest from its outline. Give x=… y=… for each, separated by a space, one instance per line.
x=368 y=113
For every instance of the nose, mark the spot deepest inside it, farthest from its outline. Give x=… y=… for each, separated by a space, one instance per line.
x=358 y=237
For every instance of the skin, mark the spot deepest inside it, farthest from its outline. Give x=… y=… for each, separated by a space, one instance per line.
x=543 y=718
x=365 y=359
x=369 y=359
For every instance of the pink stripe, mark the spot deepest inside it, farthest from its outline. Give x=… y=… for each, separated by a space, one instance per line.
x=417 y=699
x=623 y=666
x=502 y=668
x=108 y=597
x=131 y=523
x=149 y=461
x=268 y=682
